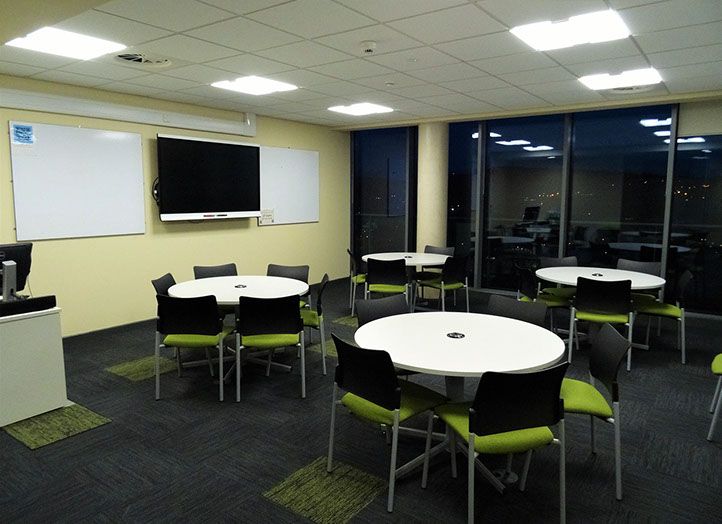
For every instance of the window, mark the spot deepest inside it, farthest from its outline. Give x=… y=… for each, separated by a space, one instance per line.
x=463 y=180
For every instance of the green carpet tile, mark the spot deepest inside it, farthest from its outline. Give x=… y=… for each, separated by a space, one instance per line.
x=327 y=498
x=330 y=348
x=41 y=430
x=142 y=368
x=347 y=321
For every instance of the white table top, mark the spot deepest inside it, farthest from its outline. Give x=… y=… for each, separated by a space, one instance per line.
x=568 y=275
x=227 y=292
x=411 y=259
x=637 y=246
x=512 y=240
x=419 y=342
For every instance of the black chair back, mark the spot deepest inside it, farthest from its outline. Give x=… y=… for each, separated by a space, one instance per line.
x=321 y=289
x=511 y=401
x=527 y=284
x=386 y=272
x=439 y=250
x=681 y=287
x=372 y=309
x=532 y=312
x=605 y=297
x=357 y=263
x=163 y=284
x=651 y=268
x=294 y=272
x=224 y=270
x=367 y=373
x=188 y=316
x=556 y=262
x=268 y=316
x=455 y=269
x=608 y=350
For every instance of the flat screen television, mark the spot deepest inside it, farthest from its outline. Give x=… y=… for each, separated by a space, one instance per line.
x=199 y=179
x=21 y=255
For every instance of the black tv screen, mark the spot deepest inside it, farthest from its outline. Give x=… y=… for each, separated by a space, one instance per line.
x=204 y=180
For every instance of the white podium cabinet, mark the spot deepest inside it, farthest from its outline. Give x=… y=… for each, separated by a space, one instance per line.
x=32 y=369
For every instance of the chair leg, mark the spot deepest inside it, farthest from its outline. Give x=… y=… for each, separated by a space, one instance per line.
x=617 y=450
x=562 y=474
x=427 y=448
x=712 y=425
x=238 y=367
x=630 y=330
x=452 y=447
x=268 y=362
x=322 y=331
x=178 y=363
x=467 y=299
x=525 y=471
x=329 y=460
x=649 y=328
x=210 y=361
x=443 y=297
x=470 y=474
x=392 y=467
x=572 y=325
x=157 y=365
x=366 y=291
x=683 y=338
x=717 y=391
x=353 y=299
x=303 y=367
x=220 y=371
x=351 y=290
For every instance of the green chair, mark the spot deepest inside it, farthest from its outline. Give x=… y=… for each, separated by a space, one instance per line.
x=510 y=414
x=566 y=293
x=375 y=395
x=189 y=323
x=313 y=318
x=266 y=324
x=387 y=277
x=654 y=308
x=608 y=350
x=454 y=275
x=600 y=302
x=356 y=278
x=717 y=398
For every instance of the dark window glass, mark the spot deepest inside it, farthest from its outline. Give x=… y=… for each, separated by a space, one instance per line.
x=384 y=197
x=618 y=178
x=696 y=238
x=463 y=179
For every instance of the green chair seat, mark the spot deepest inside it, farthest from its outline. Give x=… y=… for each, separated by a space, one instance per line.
x=641 y=300
x=660 y=309
x=456 y=416
x=717 y=365
x=310 y=318
x=560 y=292
x=436 y=284
x=582 y=397
x=601 y=318
x=359 y=279
x=415 y=399
x=387 y=288
x=196 y=341
x=552 y=301
x=270 y=341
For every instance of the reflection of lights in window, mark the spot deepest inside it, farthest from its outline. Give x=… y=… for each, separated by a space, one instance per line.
x=551 y=157
x=537 y=148
x=706 y=150
x=655 y=122
x=662 y=133
x=475 y=135
x=513 y=142
x=494 y=135
x=690 y=140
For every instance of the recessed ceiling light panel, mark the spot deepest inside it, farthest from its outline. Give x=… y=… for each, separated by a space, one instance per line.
x=361 y=109
x=254 y=85
x=590 y=28
x=636 y=77
x=66 y=43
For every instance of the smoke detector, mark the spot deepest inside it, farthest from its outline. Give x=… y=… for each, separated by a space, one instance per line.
x=143 y=60
x=368 y=47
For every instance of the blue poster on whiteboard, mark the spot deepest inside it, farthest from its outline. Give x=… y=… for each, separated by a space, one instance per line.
x=22 y=134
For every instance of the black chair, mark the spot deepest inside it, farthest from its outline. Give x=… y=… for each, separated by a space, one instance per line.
x=528 y=291
x=294 y=272
x=265 y=324
x=532 y=312
x=511 y=413
x=163 y=284
x=386 y=277
x=357 y=277
x=608 y=350
x=454 y=275
x=429 y=272
x=562 y=292
x=223 y=270
x=602 y=302
x=375 y=395
x=650 y=268
x=373 y=309
x=189 y=323
x=314 y=319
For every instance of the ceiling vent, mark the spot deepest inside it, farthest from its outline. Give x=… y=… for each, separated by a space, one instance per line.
x=630 y=90
x=143 y=60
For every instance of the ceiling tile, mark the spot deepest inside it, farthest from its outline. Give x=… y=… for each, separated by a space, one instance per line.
x=187 y=48
x=123 y=87
x=700 y=83
x=243 y=34
x=422 y=91
x=290 y=107
x=421 y=109
x=513 y=63
x=384 y=10
x=64 y=77
x=537 y=76
x=449 y=72
x=591 y=52
x=10 y=68
x=566 y=92
x=670 y=14
x=692 y=55
x=304 y=54
x=301 y=17
x=387 y=40
x=613 y=66
x=412 y=59
x=302 y=78
x=111 y=27
x=624 y=4
x=320 y=116
x=246 y=6
x=174 y=15
x=449 y=24
x=352 y=69
x=518 y=12
x=460 y=103
x=104 y=67
x=178 y=96
x=690 y=36
x=210 y=92
x=300 y=95
x=510 y=98
x=166 y=83
x=486 y=46
x=692 y=71
x=390 y=82
x=475 y=84
x=247 y=64
x=656 y=90
x=23 y=56
x=341 y=88
x=201 y=74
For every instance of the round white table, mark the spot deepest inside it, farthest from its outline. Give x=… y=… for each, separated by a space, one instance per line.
x=458 y=345
x=411 y=259
x=637 y=246
x=568 y=275
x=228 y=290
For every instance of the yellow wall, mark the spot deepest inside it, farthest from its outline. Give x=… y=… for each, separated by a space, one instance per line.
x=105 y=281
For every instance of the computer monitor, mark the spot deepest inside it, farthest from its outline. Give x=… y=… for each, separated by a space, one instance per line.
x=531 y=214
x=20 y=254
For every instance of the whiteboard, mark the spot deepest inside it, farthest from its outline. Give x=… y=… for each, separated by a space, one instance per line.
x=289 y=186
x=76 y=182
